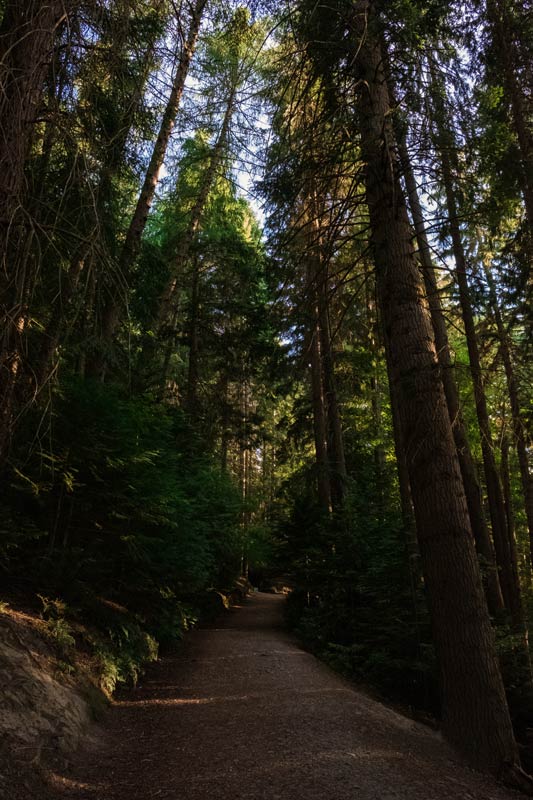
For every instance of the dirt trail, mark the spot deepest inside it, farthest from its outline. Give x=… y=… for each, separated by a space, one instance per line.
x=243 y=712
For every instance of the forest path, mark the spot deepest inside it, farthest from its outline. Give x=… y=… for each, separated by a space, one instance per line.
x=243 y=712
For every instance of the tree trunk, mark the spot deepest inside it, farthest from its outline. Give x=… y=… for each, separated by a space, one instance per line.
x=224 y=425
x=374 y=349
x=244 y=474
x=320 y=426
x=194 y=340
x=27 y=37
x=502 y=540
x=336 y=461
x=113 y=307
x=466 y=462
x=475 y=714
x=404 y=487
x=336 y=458
x=520 y=668
x=137 y=225
x=113 y=160
x=519 y=425
x=506 y=482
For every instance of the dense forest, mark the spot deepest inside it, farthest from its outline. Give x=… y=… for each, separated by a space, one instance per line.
x=266 y=283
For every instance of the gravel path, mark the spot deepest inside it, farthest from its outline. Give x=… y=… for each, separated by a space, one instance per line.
x=243 y=712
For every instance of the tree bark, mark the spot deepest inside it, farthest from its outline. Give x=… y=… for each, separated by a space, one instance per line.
x=519 y=425
x=335 y=440
x=475 y=714
x=466 y=462
x=27 y=36
x=404 y=486
x=137 y=225
x=506 y=481
x=502 y=540
x=374 y=349
x=320 y=426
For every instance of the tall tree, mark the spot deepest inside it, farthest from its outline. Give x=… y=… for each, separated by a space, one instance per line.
x=111 y=106
x=476 y=718
x=503 y=538
x=114 y=305
x=521 y=434
x=27 y=36
x=471 y=484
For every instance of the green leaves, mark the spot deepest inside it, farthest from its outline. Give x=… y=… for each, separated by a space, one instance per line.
x=130 y=499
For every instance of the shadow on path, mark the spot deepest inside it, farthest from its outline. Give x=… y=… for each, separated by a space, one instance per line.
x=241 y=711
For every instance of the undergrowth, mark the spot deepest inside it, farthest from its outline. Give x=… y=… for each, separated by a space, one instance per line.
x=113 y=643
x=122 y=524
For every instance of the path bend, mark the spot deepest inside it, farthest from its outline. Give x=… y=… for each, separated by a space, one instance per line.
x=243 y=712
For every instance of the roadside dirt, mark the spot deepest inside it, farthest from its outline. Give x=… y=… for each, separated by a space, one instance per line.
x=243 y=712
x=42 y=712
